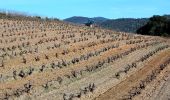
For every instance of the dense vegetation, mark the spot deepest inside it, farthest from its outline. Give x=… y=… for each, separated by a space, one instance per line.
x=157 y=26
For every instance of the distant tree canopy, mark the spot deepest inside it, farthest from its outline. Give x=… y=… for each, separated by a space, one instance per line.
x=124 y=24
x=89 y=23
x=157 y=26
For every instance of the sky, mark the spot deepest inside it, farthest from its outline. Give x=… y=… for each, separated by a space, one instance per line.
x=89 y=8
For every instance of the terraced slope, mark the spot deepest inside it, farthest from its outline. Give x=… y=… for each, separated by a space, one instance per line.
x=54 y=60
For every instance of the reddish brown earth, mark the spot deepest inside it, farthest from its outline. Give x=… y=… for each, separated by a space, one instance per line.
x=54 y=60
x=121 y=89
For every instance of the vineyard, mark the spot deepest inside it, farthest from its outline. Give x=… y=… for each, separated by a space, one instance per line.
x=55 y=60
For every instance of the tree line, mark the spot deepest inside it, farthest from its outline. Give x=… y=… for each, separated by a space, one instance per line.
x=156 y=26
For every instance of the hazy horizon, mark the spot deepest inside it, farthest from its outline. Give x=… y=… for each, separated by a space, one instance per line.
x=111 y=9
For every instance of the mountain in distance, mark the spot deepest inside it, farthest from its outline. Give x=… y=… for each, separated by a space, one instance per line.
x=82 y=20
x=99 y=19
x=124 y=24
x=130 y=25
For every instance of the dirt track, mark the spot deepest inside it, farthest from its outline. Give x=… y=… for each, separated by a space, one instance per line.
x=164 y=91
x=121 y=89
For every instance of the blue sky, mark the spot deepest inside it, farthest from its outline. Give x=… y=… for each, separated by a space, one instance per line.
x=89 y=8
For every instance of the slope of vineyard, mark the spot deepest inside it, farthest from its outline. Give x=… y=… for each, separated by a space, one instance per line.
x=54 y=60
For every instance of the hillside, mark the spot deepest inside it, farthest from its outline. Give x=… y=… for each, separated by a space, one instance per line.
x=55 y=60
x=156 y=26
x=124 y=24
